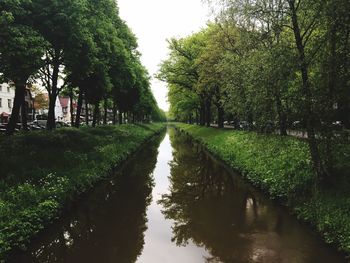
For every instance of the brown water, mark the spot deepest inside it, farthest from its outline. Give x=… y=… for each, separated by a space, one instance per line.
x=174 y=203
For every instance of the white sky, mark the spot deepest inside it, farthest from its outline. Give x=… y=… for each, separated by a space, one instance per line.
x=154 y=21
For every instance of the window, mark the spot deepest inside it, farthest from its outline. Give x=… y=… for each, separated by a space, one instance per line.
x=9 y=103
x=0 y=102
x=8 y=89
x=0 y=87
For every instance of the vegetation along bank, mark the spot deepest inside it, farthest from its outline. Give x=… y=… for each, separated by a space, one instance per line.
x=47 y=170
x=282 y=167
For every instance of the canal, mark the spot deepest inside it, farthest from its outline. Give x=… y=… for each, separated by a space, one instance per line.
x=174 y=203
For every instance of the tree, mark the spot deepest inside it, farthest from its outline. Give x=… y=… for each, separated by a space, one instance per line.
x=184 y=104
x=79 y=46
x=210 y=70
x=59 y=23
x=303 y=19
x=21 y=51
x=181 y=69
x=40 y=99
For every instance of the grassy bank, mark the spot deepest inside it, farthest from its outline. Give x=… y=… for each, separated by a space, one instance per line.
x=282 y=167
x=41 y=172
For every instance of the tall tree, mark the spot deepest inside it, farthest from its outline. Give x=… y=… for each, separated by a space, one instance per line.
x=21 y=51
x=181 y=69
x=58 y=21
x=303 y=19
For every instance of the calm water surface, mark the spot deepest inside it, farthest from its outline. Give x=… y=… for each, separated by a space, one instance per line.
x=174 y=203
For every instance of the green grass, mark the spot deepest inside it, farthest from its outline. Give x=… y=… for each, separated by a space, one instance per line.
x=41 y=172
x=282 y=167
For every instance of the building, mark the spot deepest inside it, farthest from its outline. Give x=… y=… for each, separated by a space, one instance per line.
x=7 y=96
x=63 y=109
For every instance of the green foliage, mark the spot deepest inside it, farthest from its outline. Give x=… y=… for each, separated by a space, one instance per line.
x=180 y=71
x=21 y=45
x=282 y=167
x=55 y=168
x=83 y=44
x=271 y=65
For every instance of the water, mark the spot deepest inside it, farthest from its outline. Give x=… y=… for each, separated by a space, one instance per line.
x=174 y=203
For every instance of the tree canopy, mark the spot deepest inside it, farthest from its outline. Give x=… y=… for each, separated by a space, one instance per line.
x=83 y=46
x=267 y=65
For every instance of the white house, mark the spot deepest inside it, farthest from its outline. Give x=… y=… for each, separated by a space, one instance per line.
x=7 y=95
x=62 y=109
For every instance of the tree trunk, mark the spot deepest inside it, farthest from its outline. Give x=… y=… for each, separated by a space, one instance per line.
x=71 y=107
x=282 y=118
x=96 y=113
x=18 y=102
x=283 y=124
x=114 y=113
x=120 y=116
x=220 y=116
x=309 y=115
x=34 y=112
x=51 y=120
x=99 y=115
x=79 y=107
x=202 y=113
x=24 y=112
x=207 y=112
x=190 y=118
x=332 y=86
x=86 y=112
x=344 y=100
x=105 y=112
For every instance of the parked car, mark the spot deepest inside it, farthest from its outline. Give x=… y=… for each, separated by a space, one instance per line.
x=41 y=123
x=297 y=125
x=3 y=127
x=337 y=125
x=33 y=126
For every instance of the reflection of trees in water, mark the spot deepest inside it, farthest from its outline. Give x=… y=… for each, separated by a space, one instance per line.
x=109 y=226
x=210 y=207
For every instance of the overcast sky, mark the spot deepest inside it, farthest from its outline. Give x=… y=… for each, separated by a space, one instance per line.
x=154 y=21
